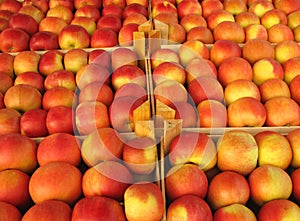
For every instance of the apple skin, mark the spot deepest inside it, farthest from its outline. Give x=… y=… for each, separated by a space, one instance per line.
x=240 y=147
x=49 y=209
x=279 y=209
x=290 y=68
x=59 y=147
x=43 y=40
x=26 y=61
x=3 y=24
x=15 y=158
x=33 y=123
x=11 y=5
x=193 y=147
x=6 y=61
x=112 y=9
x=74 y=59
x=73 y=36
x=282 y=111
x=234 y=32
x=14 y=40
x=120 y=3
x=60 y=78
x=110 y=21
x=287 y=6
x=9 y=212
x=24 y=22
x=163 y=7
x=295 y=176
x=104 y=37
x=169 y=70
x=9 y=121
x=136 y=18
x=88 y=11
x=294 y=89
x=188 y=7
x=189 y=208
x=6 y=82
x=268 y=183
x=123 y=56
x=272 y=17
x=293 y=138
x=280 y=32
x=187 y=113
x=87 y=23
x=61 y=11
x=58 y=96
x=131 y=89
x=143 y=201
x=167 y=18
x=190 y=21
x=100 y=56
x=125 y=36
x=254 y=31
x=218 y=16
x=194 y=181
x=247 y=18
x=67 y=3
x=40 y=4
x=33 y=11
x=60 y=119
x=200 y=67
x=81 y=3
x=52 y=24
x=200 y=33
x=234 y=212
x=261 y=7
x=98 y=208
x=14 y=189
x=134 y=8
x=274 y=87
x=163 y=55
x=235 y=7
x=51 y=61
x=108 y=178
x=210 y=5
x=103 y=144
x=56 y=180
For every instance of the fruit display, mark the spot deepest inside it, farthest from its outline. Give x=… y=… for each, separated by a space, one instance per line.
x=149 y=110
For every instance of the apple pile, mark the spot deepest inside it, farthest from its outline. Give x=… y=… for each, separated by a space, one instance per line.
x=47 y=25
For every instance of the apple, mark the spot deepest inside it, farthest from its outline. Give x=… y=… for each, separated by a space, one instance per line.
x=6 y=82
x=187 y=113
x=131 y=89
x=52 y=24
x=126 y=32
x=293 y=19
x=9 y=212
x=234 y=32
x=97 y=91
x=120 y=3
x=237 y=151
x=272 y=17
x=208 y=6
x=241 y=88
x=60 y=119
x=227 y=188
x=60 y=78
x=126 y=74
x=166 y=18
x=235 y=7
x=294 y=89
x=24 y=22
x=33 y=11
x=5 y=14
x=61 y=11
x=103 y=38
x=123 y=56
x=87 y=23
x=287 y=6
x=188 y=7
x=282 y=111
x=51 y=61
x=110 y=21
x=254 y=31
x=14 y=40
x=58 y=96
x=247 y=18
x=256 y=49
x=143 y=201
x=10 y=121
x=26 y=61
x=134 y=8
x=81 y=3
x=40 y=4
x=59 y=147
x=73 y=36
x=18 y=152
x=193 y=147
x=100 y=56
x=98 y=208
x=108 y=179
x=88 y=11
x=43 y=40
x=7 y=61
x=205 y=87
x=218 y=16
x=140 y=155
x=200 y=33
x=192 y=49
x=33 y=123
x=162 y=7
x=290 y=68
x=295 y=176
x=176 y=33
x=136 y=18
x=91 y=73
x=142 y=2
x=56 y=180
x=268 y=183
x=103 y=144
x=274 y=88
x=169 y=70
x=198 y=67
x=292 y=137
x=68 y=3
x=49 y=209
x=112 y=9
x=233 y=212
x=23 y=98
x=14 y=189
x=223 y=49
x=74 y=59
x=260 y=7
x=193 y=181
x=189 y=207
x=285 y=50
x=11 y=5
x=191 y=21
x=280 y=32
x=163 y=55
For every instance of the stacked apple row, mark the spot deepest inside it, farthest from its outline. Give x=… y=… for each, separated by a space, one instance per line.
x=42 y=25
x=238 y=20
x=234 y=176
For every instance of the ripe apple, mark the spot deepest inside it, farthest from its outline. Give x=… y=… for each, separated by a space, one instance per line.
x=188 y=7
x=193 y=181
x=235 y=7
x=58 y=96
x=254 y=31
x=73 y=36
x=6 y=64
x=190 y=21
x=120 y=3
x=272 y=17
x=9 y=121
x=26 y=61
x=280 y=32
x=5 y=14
x=18 y=152
x=125 y=36
x=294 y=89
x=189 y=208
x=88 y=11
x=176 y=33
x=198 y=67
x=14 y=40
x=193 y=147
x=11 y=5
x=287 y=6
x=218 y=16
x=74 y=59
x=166 y=18
x=40 y=4
x=237 y=151
x=233 y=212
x=49 y=209
x=103 y=144
x=293 y=19
x=112 y=9
x=61 y=11
x=110 y=21
x=169 y=70
x=43 y=40
x=227 y=188
x=68 y=3
x=60 y=119
x=136 y=18
x=131 y=89
x=290 y=68
x=260 y=7
x=60 y=78
x=52 y=24
x=142 y=2
x=100 y=56
x=187 y=113
x=282 y=111
x=134 y=8
x=247 y=18
x=6 y=82
x=9 y=212
x=208 y=6
x=23 y=97
x=295 y=176
x=81 y=3
x=123 y=56
x=268 y=183
x=56 y=180
x=143 y=201
x=234 y=32
x=223 y=49
x=162 y=7
x=286 y=50
x=33 y=11
x=200 y=33
x=87 y=23
x=33 y=123
x=51 y=61
x=163 y=55
x=292 y=137
x=3 y=24
x=103 y=38
x=274 y=87
x=108 y=178
x=98 y=208
x=24 y=22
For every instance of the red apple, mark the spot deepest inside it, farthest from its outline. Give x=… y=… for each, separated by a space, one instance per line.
x=32 y=11
x=24 y=22
x=163 y=55
x=290 y=68
x=163 y=7
x=188 y=7
x=200 y=33
x=233 y=212
x=26 y=61
x=73 y=36
x=52 y=24
x=51 y=61
x=125 y=36
x=131 y=89
x=3 y=24
x=218 y=16
x=254 y=31
x=292 y=137
x=60 y=78
x=61 y=11
x=234 y=32
x=136 y=18
x=123 y=56
x=208 y=6
x=142 y=2
x=280 y=32
x=134 y=8
x=74 y=59
x=274 y=88
x=33 y=123
x=14 y=40
x=100 y=56
x=260 y=7
x=40 y=4
x=58 y=96
x=295 y=176
x=68 y=3
x=167 y=18
x=87 y=23
x=120 y=3
x=235 y=7
x=110 y=21
x=103 y=38
x=169 y=71
x=294 y=89
x=9 y=212
x=9 y=121
x=7 y=61
x=200 y=67
x=5 y=83
x=81 y=3
x=112 y=9
x=11 y=5
x=88 y=11
x=43 y=40
x=247 y=18
x=5 y=14
x=287 y=6
x=286 y=50
x=187 y=113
